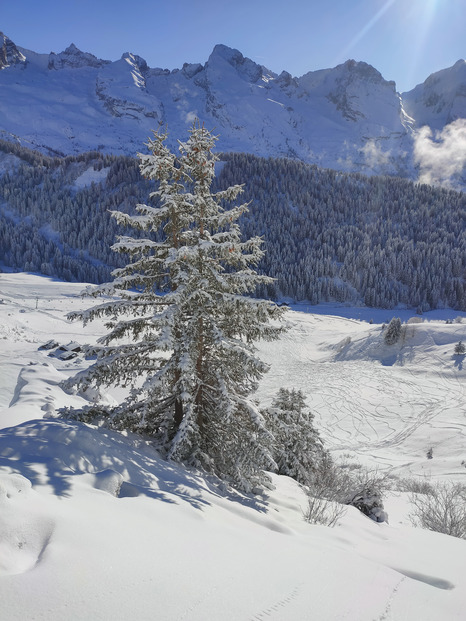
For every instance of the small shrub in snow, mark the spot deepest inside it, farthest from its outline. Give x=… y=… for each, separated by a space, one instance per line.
x=441 y=509
x=415 y=485
x=356 y=487
x=322 y=511
x=366 y=493
x=460 y=348
x=369 y=502
x=325 y=494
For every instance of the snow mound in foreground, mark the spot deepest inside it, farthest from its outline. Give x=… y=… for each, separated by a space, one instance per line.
x=109 y=530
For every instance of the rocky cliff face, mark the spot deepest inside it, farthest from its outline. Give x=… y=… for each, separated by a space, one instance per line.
x=9 y=53
x=348 y=118
x=73 y=58
x=440 y=100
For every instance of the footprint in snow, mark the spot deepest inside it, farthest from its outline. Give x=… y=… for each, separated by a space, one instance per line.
x=25 y=529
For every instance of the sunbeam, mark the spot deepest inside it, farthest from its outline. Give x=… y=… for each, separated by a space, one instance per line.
x=424 y=13
x=370 y=24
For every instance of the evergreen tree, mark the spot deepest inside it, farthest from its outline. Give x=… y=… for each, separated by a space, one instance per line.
x=393 y=333
x=460 y=348
x=182 y=322
x=298 y=449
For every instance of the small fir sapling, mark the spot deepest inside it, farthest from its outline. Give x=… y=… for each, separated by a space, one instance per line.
x=297 y=449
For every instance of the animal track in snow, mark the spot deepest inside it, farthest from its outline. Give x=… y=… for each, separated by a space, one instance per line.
x=278 y=606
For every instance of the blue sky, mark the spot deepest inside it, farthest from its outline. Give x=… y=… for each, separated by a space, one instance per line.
x=406 y=40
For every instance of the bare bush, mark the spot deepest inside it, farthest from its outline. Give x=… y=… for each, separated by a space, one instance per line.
x=442 y=509
x=322 y=511
x=336 y=487
x=415 y=485
x=325 y=504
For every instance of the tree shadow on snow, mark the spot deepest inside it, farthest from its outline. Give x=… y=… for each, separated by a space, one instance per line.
x=52 y=452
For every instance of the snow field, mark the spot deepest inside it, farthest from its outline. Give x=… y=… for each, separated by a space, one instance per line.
x=94 y=525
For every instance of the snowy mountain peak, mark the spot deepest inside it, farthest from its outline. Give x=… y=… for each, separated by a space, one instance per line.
x=359 y=70
x=440 y=99
x=192 y=69
x=347 y=117
x=135 y=61
x=9 y=53
x=231 y=55
x=222 y=56
x=74 y=58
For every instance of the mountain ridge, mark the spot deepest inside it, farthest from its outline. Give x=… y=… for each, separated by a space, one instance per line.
x=348 y=118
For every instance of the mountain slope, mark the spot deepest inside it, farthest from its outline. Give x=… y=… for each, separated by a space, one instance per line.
x=440 y=100
x=328 y=236
x=347 y=118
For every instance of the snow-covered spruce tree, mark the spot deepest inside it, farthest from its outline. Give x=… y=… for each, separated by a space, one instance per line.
x=181 y=334
x=460 y=348
x=393 y=333
x=297 y=449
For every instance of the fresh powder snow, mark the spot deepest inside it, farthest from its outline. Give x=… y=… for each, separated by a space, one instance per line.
x=94 y=525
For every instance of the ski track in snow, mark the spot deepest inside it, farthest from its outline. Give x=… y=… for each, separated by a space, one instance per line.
x=373 y=410
x=354 y=415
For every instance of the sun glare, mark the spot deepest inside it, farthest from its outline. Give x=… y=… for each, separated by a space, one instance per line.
x=398 y=28
x=366 y=28
x=423 y=12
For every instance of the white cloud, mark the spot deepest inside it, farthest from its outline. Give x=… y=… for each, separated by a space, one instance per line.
x=190 y=117
x=441 y=155
x=374 y=156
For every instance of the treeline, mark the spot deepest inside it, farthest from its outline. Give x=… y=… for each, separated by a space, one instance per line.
x=49 y=224
x=328 y=235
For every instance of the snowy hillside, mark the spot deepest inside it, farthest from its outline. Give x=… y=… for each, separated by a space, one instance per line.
x=94 y=525
x=347 y=118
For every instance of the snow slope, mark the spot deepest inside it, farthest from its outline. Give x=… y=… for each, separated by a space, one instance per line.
x=347 y=118
x=440 y=100
x=83 y=103
x=94 y=525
